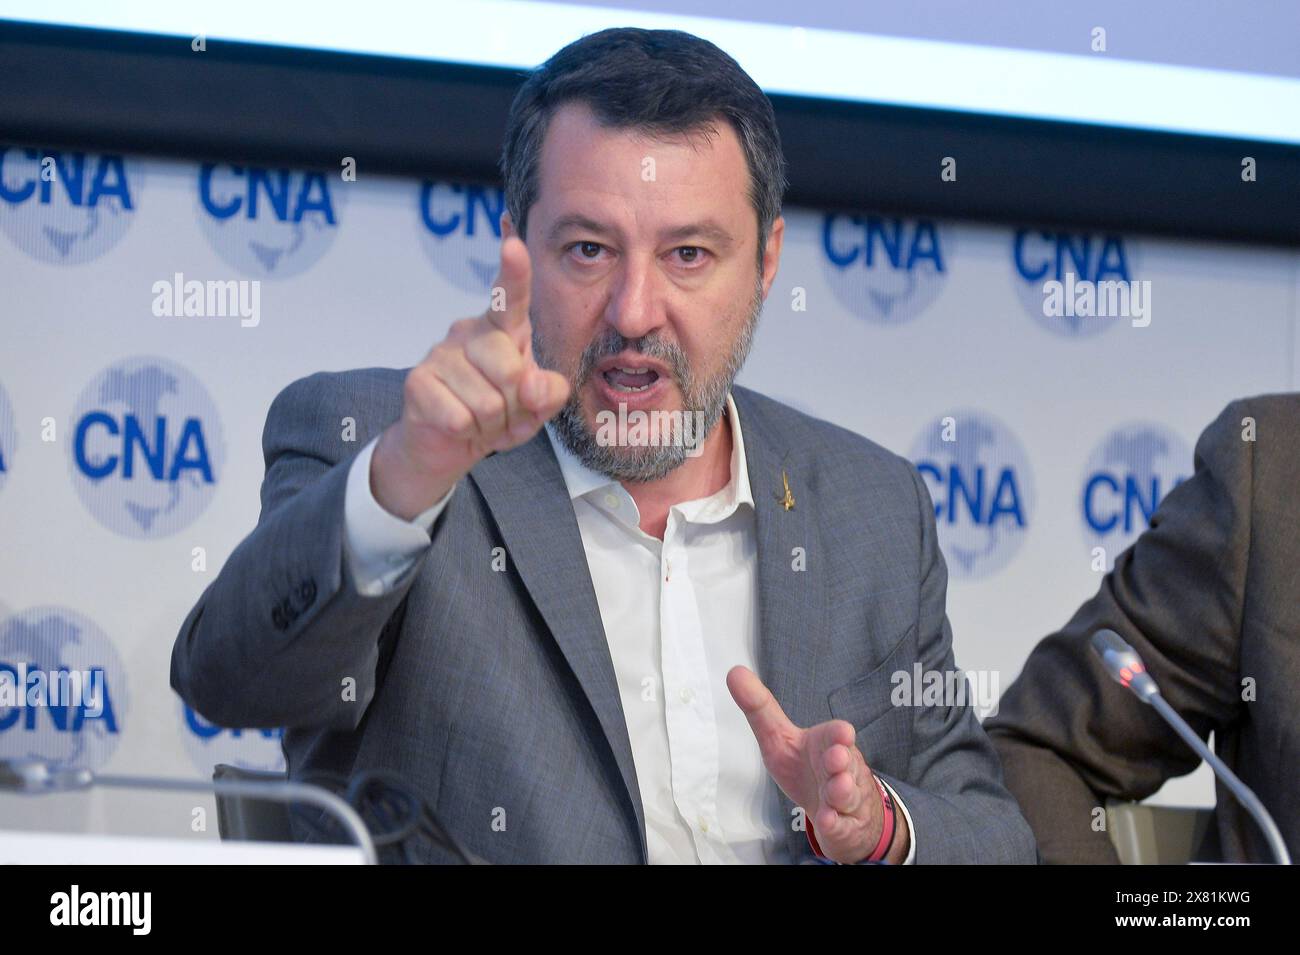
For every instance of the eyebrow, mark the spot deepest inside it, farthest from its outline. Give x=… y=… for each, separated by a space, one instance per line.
x=705 y=228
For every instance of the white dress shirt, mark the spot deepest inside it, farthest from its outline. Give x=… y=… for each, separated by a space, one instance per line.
x=678 y=614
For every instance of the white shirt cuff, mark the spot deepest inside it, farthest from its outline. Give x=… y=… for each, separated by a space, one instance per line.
x=380 y=546
x=911 y=842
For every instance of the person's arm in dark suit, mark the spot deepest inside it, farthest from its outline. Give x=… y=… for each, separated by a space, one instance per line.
x=273 y=639
x=954 y=792
x=1068 y=735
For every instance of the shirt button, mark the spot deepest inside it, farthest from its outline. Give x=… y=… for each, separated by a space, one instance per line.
x=704 y=824
x=686 y=695
x=611 y=500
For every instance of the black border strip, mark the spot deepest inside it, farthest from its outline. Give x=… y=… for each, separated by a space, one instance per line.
x=106 y=90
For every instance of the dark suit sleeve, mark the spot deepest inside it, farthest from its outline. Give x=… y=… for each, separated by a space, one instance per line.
x=954 y=791
x=1069 y=736
x=275 y=639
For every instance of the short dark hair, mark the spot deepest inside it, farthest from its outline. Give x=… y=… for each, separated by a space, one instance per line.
x=657 y=82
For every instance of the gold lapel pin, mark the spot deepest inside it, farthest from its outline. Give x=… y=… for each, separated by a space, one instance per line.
x=787 y=501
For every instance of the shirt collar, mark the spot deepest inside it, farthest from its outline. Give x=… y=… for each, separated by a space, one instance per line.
x=582 y=480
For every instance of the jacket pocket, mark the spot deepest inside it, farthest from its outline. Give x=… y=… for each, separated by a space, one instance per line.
x=884 y=730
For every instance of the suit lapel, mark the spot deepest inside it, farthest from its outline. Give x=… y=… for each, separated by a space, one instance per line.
x=526 y=493
x=792 y=603
x=528 y=498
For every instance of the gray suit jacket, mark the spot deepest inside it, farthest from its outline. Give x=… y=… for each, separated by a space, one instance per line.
x=1209 y=596
x=486 y=689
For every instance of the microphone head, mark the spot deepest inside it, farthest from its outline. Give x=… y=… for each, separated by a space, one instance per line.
x=1123 y=663
x=1107 y=639
x=23 y=775
x=37 y=776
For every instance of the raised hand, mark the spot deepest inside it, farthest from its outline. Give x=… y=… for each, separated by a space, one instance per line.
x=820 y=769
x=477 y=391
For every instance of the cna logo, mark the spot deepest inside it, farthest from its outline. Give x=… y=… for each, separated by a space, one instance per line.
x=209 y=744
x=460 y=232
x=146 y=449
x=77 y=731
x=1081 y=262
x=886 y=271
x=1126 y=477
x=978 y=475
x=268 y=223
x=66 y=207
x=8 y=437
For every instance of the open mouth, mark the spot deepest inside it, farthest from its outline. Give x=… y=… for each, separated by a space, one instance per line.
x=630 y=380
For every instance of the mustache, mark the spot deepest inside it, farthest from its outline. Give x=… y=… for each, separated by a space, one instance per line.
x=652 y=346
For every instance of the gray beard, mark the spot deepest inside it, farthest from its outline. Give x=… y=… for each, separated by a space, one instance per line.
x=650 y=462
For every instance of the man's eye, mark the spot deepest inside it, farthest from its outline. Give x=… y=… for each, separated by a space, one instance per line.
x=690 y=255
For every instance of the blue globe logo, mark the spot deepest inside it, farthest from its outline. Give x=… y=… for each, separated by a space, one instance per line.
x=208 y=744
x=145 y=450
x=982 y=490
x=885 y=270
x=459 y=227
x=67 y=208
x=1074 y=260
x=1126 y=477
x=269 y=223
x=84 y=736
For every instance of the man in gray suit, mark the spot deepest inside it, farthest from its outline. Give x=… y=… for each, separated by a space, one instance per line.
x=1209 y=596
x=549 y=616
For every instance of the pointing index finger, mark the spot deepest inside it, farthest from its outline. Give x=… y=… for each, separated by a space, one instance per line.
x=508 y=309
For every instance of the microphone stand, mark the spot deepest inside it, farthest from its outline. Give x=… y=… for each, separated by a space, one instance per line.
x=33 y=777
x=1123 y=663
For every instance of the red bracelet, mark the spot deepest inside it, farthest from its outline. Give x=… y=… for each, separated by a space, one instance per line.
x=886 y=841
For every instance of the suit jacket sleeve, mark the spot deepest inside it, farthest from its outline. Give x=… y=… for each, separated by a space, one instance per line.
x=954 y=792
x=379 y=547
x=1068 y=735
x=283 y=637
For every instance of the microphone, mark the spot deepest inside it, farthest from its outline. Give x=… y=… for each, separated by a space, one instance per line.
x=1126 y=667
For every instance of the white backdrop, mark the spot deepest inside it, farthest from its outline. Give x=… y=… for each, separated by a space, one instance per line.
x=99 y=572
